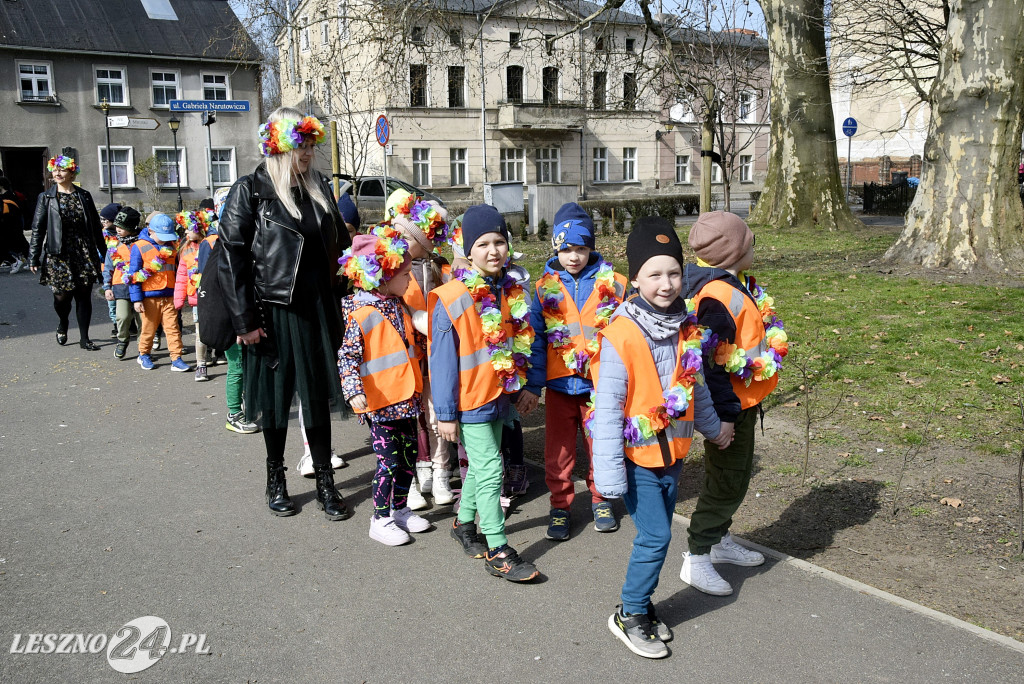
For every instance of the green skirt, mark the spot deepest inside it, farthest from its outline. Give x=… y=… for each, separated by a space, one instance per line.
x=297 y=360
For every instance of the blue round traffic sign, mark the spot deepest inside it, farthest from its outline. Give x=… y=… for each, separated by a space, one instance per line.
x=383 y=130
x=849 y=126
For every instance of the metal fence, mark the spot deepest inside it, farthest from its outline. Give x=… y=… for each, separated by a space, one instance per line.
x=888 y=200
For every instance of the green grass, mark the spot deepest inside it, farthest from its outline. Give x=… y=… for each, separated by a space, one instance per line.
x=854 y=461
x=918 y=511
x=788 y=470
x=915 y=362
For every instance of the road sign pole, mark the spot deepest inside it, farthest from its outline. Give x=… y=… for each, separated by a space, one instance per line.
x=383 y=132
x=209 y=154
x=849 y=166
x=105 y=106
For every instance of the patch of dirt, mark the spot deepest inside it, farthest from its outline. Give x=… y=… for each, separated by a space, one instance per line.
x=960 y=559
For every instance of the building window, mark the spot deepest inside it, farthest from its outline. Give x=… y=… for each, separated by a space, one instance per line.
x=682 y=168
x=600 y=164
x=308 y=87
x=304 y=33
x=36 y=81
x=120 y=163
x=548 y=165
x=747 y=109
x=513 y=40
x=328 y=95
x=324 y=29
x=549 y=43
x=216 y=87
x=165 y=87
x=512 y=161
x=455 y=37
x=417 y=85
x=167 y=171
x=110 y=85
x=459 y=166
x=419 y=35
x=631 y=45
x=629 y=91
x=456 y=86
x=629 y=163
x=343 y=20
x=716 y=173
x=599 y=44
x=222 y=166
x=746 y=168
x=549 y=85
x=421 y=167
x=600 y=89
x=514 y=83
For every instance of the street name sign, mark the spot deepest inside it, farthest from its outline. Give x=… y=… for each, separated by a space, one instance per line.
x=209 y=105
x=138 y=123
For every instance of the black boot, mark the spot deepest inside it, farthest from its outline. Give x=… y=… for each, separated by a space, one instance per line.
x=277 y=492
x=327 y=497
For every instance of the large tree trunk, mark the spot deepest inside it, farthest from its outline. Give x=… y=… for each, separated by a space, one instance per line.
x=802 y=187
x=967 y=212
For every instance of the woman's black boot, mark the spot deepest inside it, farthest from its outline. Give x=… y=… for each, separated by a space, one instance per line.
x=277 y=492
x=327 y=497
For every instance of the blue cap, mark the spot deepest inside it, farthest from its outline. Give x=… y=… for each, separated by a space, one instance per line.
x=348 y=209
x=479 y=220
x=573 y=227
x=162 y=228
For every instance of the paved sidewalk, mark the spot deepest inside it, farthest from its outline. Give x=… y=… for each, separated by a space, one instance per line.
x=124 y=496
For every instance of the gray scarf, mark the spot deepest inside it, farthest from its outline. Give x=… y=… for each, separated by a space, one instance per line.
x=656 y=324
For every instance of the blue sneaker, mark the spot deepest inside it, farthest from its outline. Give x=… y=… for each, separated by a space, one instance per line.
x=180 y=366
x=145 y=362
x=558 y=525
x=604 y=518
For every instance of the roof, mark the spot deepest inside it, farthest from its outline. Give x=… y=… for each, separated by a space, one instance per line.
x=206 y=29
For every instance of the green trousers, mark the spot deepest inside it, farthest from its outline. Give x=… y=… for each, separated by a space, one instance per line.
x=726 y=478
x=233 y=382
x=481 y=490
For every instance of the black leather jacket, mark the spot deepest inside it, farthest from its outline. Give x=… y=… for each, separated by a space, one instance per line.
x=46 y=224
x=262 y=246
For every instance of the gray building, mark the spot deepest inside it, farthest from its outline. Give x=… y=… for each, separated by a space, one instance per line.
x=59 y=61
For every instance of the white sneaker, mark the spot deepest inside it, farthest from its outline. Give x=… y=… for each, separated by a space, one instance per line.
x=409 y=521
x=442 y=488
x=416 y=500
x=387 y=532
x=18 y=263
x=728 y=551
x=700 y=574
x=425 y=475
x=305 y=466
x=337 y=461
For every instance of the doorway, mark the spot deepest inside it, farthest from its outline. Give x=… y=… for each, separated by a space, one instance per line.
x=26 y=168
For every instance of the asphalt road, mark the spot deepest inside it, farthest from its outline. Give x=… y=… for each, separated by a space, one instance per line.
x=123 y=496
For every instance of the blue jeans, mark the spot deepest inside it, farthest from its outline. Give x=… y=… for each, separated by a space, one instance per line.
x=112 y=309
x=650 y=501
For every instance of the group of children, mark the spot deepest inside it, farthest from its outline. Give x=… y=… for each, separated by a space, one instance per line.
x=451 y=354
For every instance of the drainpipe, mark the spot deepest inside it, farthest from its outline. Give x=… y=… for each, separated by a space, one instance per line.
x=483 y=100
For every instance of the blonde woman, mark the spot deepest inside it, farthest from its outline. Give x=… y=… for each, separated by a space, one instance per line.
x=68 y=247
x=282 y=235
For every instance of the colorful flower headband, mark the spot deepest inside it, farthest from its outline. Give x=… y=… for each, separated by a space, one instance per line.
x=62 y=162
x=368 y=271
x=206 y=218
x=285 y=135
x=424 y=214
x=189 y=222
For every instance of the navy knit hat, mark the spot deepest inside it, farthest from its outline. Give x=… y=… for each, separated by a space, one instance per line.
x=348 y=209
x=573 y=226
x=479 y=220
x=652 y=236
x=109 y=212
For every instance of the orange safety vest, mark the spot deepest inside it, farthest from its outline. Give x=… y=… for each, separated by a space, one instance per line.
x=750 y=337
x=576 y=320
x=390 y=369
x=644 y=392
x=117 y=277
x=162 y=279
x=413 y=296
x=478 y=381
x=189 y=255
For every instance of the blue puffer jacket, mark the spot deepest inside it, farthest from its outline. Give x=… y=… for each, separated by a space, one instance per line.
x=609 y=418
x=579 y=288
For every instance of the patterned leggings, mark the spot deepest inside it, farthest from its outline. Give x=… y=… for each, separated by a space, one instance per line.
x=395 y=444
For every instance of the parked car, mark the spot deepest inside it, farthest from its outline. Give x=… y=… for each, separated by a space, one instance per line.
x=368 y=193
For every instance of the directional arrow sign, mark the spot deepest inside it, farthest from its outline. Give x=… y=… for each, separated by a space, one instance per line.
x=141 y=124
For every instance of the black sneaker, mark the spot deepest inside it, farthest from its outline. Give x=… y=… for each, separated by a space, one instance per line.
x=660 y=628
x=120 y=349
x=465 y=533
x=505 y=562
x=636 y=631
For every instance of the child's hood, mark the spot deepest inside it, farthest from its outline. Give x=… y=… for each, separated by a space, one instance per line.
x=696 y=277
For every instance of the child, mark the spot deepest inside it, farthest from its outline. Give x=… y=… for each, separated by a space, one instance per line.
x=152 y=266
x=751 y=346
x=115 y=283
x=575 y=300
x=379 y=361
x=194 y=224
x=424 y=226
x=107 y=216
x=480 y=338
x=349 y=214
x=648 y=398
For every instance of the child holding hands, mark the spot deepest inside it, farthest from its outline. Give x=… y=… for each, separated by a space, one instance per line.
x=649 y=396
x=187 y=277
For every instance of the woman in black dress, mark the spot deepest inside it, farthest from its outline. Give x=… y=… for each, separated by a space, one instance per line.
x=67 y=247
x=282 y=235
